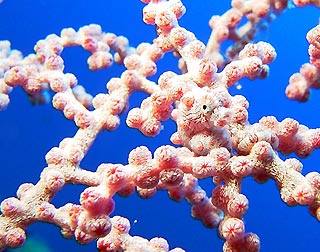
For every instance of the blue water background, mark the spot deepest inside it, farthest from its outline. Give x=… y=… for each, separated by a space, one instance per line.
x=28 y=132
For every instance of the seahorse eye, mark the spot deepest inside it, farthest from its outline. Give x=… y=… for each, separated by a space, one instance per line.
x=204 y=107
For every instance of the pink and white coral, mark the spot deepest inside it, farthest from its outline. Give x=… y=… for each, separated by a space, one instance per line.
x=213 y=138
